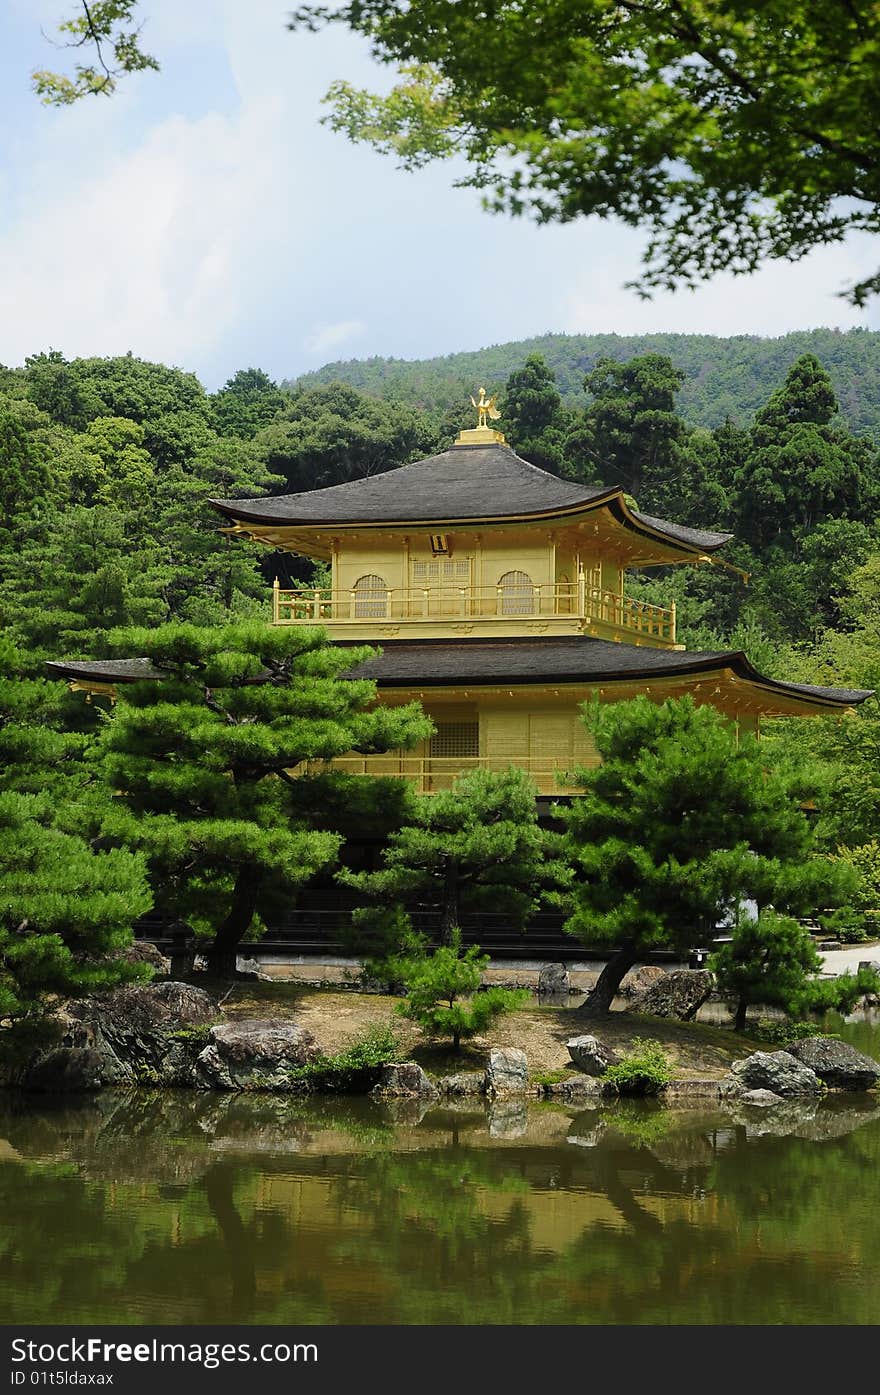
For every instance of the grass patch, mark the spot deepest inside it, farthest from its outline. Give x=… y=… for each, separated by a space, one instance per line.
x=552 y=1077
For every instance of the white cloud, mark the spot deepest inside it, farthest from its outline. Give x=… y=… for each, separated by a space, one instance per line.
x=329 y=337
x=141 y=253
x=780 y=297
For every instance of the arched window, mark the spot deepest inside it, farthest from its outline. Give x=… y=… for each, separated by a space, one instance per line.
x=370 y=597
x=517 y=593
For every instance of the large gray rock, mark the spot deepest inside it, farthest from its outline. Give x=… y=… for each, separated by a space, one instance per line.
x=135 y=1035
x=402 y=1079
x=837 y=1064
x=591 y=1055
x=507 y=1072
x=640 y=979
x=778 y=1072
x=580 y=1089
x=464 y=1085
x=254 y=1053
x=553 y=981
x=679 y=994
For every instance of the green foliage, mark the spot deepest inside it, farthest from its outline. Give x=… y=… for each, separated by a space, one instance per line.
x=846 y=923
x=354 y=1070
x=248 y=401
x=732 y=133
x=534 y=420
x=840 y=994
x=64 y=906
x=443 y=997
x=332 y=435
x=769 y=960
x=203 y=754
x=865 y=861
x=631 y=435
x=783 y=1033
x=475 y=846
x=799 y=469
x=108 y=28
x=642 y=1070
x=677 y=824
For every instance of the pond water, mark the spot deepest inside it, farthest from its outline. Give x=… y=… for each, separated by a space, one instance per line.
x=178 y=1208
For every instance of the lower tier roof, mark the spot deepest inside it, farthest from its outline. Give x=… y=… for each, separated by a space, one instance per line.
x=576 y=660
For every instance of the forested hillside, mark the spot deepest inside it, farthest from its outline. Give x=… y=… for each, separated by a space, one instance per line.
x=725 y=377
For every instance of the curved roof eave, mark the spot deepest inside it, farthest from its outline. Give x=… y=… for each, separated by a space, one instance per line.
x=607 y=662
x=252 y=511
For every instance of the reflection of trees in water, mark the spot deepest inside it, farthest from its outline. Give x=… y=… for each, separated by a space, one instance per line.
x=215 y=1217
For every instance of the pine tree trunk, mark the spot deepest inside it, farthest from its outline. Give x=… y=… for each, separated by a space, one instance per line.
x=599 y=1002
x=451 y=916
x=739 y=1021
x=221 y=956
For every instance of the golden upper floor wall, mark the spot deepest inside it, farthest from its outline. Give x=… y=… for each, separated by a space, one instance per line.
x=510 y=581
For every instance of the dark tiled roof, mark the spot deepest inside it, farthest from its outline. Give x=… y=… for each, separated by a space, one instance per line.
x=475 y=662
x=695 y=537
x=569 y=659
x=464 y=482
x=106 y=670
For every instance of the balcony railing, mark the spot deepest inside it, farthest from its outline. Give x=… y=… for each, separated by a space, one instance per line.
x=574 y=600
x=431 y=774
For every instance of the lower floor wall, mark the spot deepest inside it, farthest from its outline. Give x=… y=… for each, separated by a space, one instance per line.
x=544 y=735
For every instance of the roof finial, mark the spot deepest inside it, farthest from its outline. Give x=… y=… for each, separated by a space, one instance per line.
x=486 y=407
x=483 y=434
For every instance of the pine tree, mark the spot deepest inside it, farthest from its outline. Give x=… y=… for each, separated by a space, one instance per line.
x=678 y=825
x=768 y=960
x=534 y=420
x=442 y=993
x=64 y=907
x=205 y=757
x=800 y=468
x=477 y=845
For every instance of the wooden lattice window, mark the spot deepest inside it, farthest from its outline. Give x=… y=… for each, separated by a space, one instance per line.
x=517 y=593
x=446 y=573
x=370 y=597
x=456 y=740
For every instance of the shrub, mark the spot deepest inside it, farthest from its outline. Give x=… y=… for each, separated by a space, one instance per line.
x=840 y=994
x=783 y=1033
x=443 y=997
x=847 y=924
x=643 y=1070
x=354 y=1070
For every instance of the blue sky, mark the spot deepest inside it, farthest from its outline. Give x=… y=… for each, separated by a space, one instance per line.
x=204 y=217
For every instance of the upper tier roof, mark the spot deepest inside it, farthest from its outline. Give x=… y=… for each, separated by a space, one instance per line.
x=463 y=484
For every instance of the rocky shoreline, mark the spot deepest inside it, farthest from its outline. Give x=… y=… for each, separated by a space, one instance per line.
x=167 y=1034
